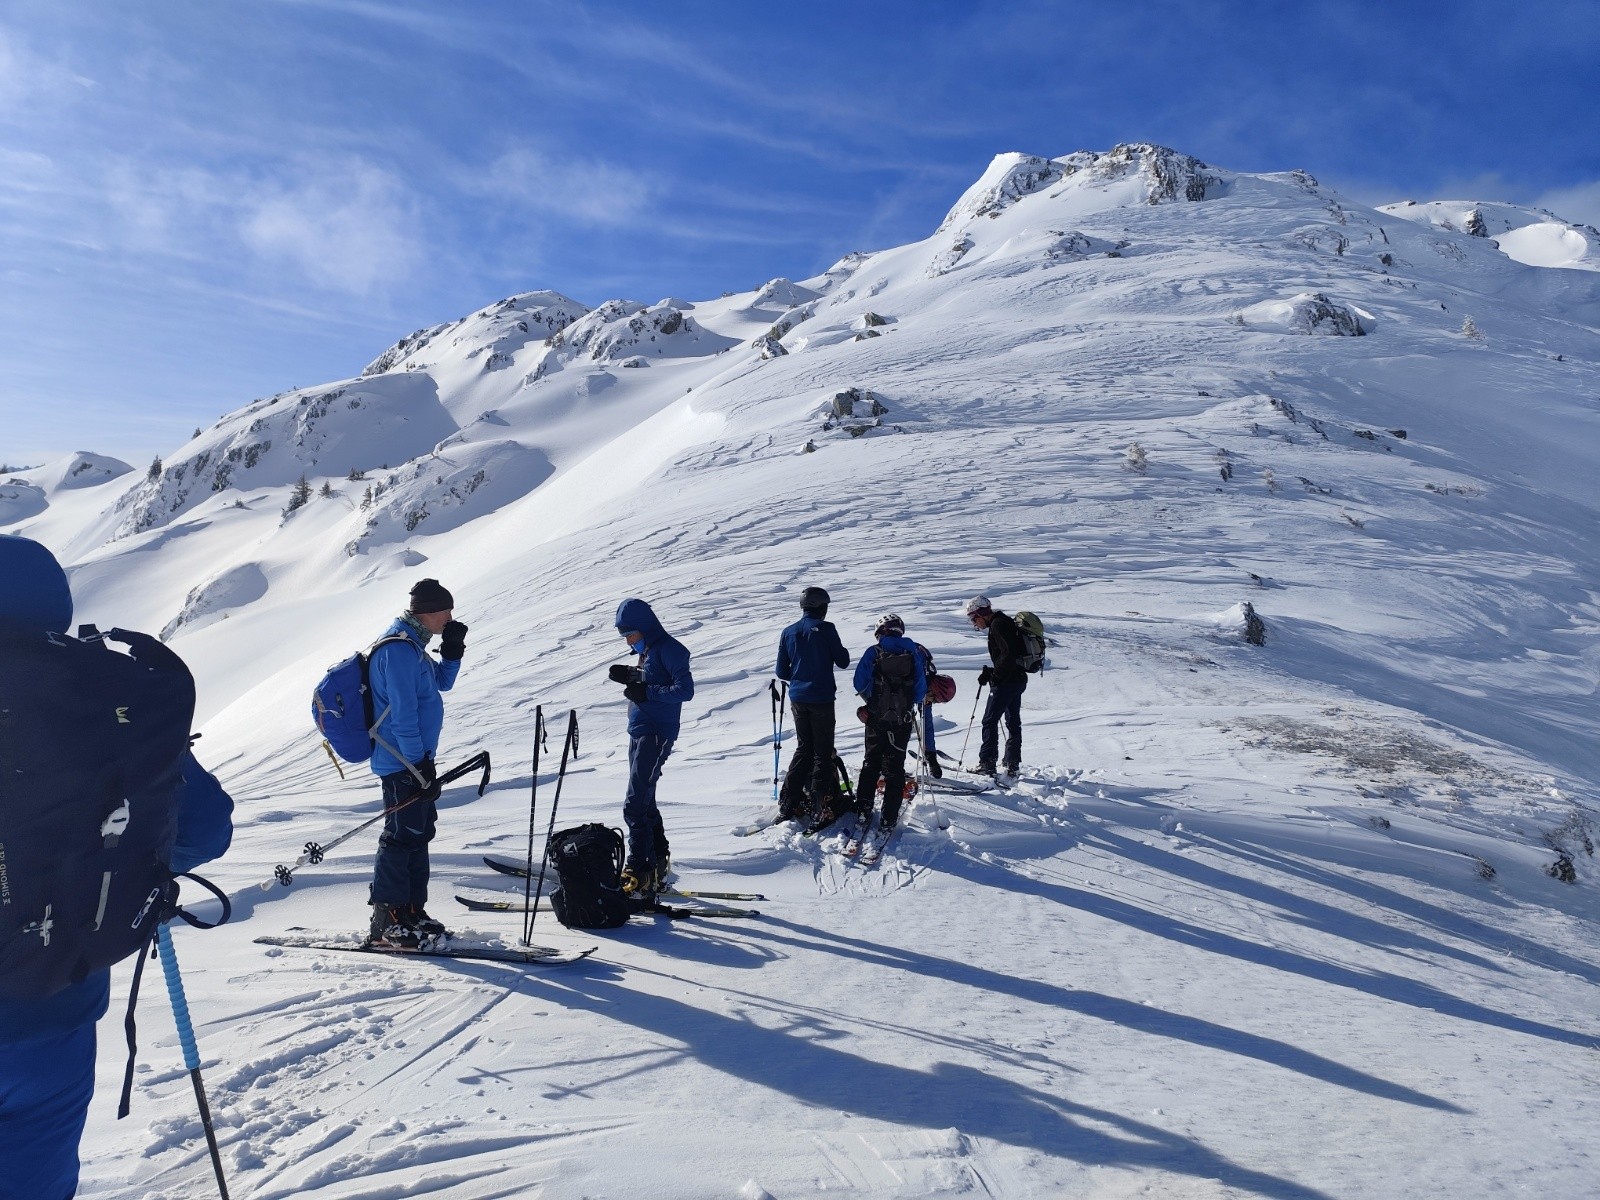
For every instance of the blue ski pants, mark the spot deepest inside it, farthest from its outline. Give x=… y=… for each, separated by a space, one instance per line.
x=647 y=836
x=45 y=1087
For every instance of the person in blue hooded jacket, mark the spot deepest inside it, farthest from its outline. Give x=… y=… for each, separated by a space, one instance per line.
x=47 y=1047
x=808 y=652
x=656 y=690
x=407 y=683
x=891 y=682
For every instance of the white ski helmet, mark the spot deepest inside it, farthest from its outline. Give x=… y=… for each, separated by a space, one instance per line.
x=889 y=623
x=979 y=604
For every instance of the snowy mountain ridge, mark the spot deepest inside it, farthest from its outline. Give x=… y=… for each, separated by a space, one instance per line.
x=1248 y=906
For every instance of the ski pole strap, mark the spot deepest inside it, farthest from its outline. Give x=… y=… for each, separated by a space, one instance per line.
x=130 y=1026
x=189 y=918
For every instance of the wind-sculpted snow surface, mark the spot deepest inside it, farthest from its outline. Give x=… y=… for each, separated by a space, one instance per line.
x=1311 y=918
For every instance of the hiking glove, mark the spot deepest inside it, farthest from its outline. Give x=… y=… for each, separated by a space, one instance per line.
x=637 y=692
x=430 y=774
x=623 y=673
x=985 y=676
x=454 y=643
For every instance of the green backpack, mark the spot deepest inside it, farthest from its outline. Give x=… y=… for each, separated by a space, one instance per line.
x=1032 y=631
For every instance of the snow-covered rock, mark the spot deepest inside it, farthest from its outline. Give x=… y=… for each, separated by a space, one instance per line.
x=1533 y=236
x=1307 y=313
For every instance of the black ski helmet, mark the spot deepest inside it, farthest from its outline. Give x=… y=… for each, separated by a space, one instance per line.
x=814 y=602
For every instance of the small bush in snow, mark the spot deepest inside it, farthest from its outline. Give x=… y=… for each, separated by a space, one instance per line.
x=326 y=491
x=1470 y=329
x=1135 y=458
x=155 y=468
x=1268 y=478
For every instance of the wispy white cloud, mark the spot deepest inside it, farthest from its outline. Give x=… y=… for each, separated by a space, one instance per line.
x=587 y=188
x=1579 y=203
x=347 y=226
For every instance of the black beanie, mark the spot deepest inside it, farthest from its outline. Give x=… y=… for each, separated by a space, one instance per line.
x=429 y=596
x=814 y=600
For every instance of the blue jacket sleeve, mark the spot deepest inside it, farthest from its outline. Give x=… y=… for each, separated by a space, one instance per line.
x=785 y=667
x=863 y=676
x=841 y=656
x=393 y=670
x=674 y=659
x=445 y=671
x=205 y=818
x=922 y=679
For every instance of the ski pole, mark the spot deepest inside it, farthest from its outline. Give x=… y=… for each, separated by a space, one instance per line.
x=939 y=818
x=191 y=1052
x=569 y=743
x=315 y=852
x=962 y=760
x=778 y=698
x=533 y=801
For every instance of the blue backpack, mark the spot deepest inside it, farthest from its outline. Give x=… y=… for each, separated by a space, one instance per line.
x=341 y=705
x=92 y=750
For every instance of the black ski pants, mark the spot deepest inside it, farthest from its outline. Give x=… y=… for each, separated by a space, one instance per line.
x=400 y=877
x=810 y=778
x=886 y=757
x=1005 y=701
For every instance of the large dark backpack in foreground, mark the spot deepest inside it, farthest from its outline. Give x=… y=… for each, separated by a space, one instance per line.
x=92 y=746
x=893 y=699
x=588 y=864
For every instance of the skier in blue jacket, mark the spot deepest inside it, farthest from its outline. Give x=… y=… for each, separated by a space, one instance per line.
x=808 y=652
x=656 y=690
x=891 y=682
x=406 y=686
x=47 y=1047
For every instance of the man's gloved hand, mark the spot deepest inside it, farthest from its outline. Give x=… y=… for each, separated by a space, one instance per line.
x=430 y=790
x=453 y=643
x=985 y=676
x=862 y=714
x=636 y=691
x=623 y=673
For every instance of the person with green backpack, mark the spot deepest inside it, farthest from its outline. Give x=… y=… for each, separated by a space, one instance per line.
x=1013 y=653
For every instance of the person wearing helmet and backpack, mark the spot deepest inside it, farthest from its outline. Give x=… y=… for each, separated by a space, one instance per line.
x=891 y=682
x=1007 y=678
x=808 y=652
x=47 y=1036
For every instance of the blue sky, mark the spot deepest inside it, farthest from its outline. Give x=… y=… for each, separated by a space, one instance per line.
x=205 y=202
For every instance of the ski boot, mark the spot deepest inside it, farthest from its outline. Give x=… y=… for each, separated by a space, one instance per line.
x=427 y=927
x=391 y=929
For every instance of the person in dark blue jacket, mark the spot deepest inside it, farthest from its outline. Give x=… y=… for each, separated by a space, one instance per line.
x=808 y=652
x=891 y=682
x=47 y=1047
x=406 y=686
x=656 y=690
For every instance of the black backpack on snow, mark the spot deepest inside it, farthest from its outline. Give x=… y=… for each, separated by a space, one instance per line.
x=92 y=746
x=588 y=864
x=892 y=702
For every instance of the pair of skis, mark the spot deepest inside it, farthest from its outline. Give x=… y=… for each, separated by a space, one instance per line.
x=540 y=956
x=517 y=870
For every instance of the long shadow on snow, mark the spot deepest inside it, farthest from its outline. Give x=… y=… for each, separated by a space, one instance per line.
x=1312 y=914
x=947 y=1096
x=1382 y=985
x=1445 y=920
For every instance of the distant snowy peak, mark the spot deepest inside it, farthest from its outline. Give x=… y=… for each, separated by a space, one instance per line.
x=494 y=333
x=27 y=492
x=1131 y=173
x=628 y=334
x=1534 y=236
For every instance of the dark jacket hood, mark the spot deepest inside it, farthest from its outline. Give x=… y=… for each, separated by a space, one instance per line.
x=636 y=614
x=33 y=587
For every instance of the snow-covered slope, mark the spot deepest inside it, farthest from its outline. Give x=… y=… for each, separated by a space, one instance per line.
x=1535 y=236
x=1265 y=921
